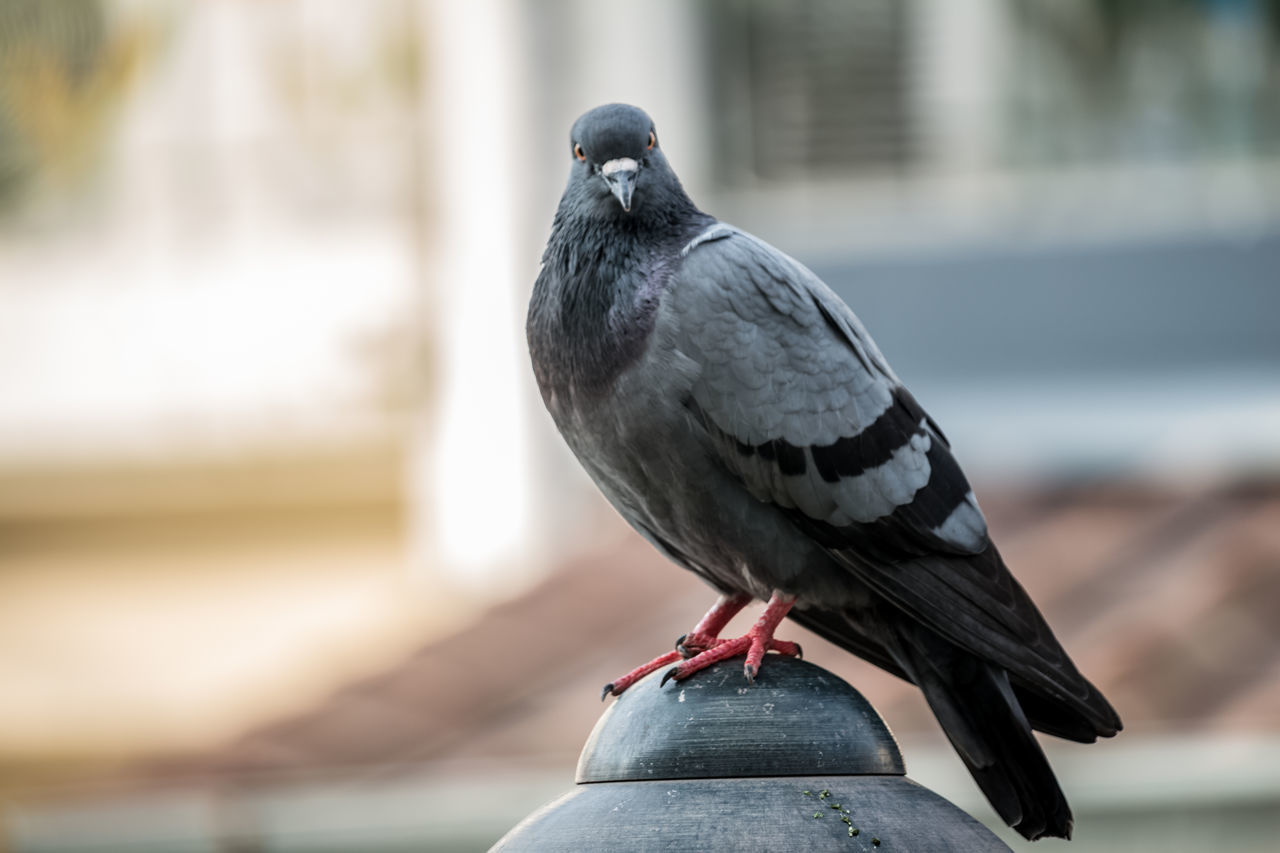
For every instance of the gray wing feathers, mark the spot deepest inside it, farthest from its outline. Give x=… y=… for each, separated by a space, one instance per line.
x=788 y=375
x=774 y=369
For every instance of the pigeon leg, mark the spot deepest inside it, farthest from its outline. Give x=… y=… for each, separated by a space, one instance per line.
x=702 y=637
x=755 y=643
x=707 y=632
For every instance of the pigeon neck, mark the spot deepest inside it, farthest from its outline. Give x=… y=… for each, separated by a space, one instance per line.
x=594 y=303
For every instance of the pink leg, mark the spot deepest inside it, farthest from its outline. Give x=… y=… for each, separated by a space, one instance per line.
x=755 y=643
x=702 y=637
x=707 y=632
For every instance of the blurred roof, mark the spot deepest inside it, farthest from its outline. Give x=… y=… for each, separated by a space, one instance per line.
x=1165 y=598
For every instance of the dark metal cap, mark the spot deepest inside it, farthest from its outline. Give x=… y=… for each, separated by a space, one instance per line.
x=797 y=761
x=796 y=720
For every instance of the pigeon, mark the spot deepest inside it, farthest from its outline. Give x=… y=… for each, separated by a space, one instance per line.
x=736 y=413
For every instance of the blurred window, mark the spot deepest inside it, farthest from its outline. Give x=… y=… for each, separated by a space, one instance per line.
x=829 y=89
x=1119 y=80
x=814 y=88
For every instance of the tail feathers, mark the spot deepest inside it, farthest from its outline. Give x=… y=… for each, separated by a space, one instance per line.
x=977 y=708
x=1061 y=720
x=1083 y=721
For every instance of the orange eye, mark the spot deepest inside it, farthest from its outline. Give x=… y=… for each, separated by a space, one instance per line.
x=578 y=152
x=652 y=140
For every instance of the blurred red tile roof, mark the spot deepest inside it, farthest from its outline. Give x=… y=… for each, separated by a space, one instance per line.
x=1168 y=599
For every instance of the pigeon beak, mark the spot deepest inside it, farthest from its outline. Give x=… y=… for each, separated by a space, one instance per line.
x=620 y=175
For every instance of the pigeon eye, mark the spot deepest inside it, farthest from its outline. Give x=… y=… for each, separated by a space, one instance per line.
x=652 y=140
x=578 y=152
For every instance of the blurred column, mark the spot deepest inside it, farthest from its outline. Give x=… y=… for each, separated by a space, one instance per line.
x=469 y=483
x=502 y=82
x=961 y=57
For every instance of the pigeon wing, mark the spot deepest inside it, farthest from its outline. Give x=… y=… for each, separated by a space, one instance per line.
x=801 y=406
x=804 y=409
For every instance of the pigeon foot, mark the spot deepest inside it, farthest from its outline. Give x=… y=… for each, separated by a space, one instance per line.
x=702 y=637
x=754 y=647
x=754 y=643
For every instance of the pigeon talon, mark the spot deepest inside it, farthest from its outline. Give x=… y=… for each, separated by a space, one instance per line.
x=755 y=657
x=604 y=693
x=674 y=672
x=696 y=642
x=686 y=647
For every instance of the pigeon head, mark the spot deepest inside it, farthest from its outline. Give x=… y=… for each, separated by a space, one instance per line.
x=618 y=167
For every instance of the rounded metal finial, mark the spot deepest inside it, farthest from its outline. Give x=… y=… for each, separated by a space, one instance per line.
x=797 y=761
x=797 y=719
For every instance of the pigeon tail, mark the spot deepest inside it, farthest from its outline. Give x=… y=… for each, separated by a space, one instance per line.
x=981 y=716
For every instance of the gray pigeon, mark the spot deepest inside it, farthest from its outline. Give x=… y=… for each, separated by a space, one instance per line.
x=738 y=415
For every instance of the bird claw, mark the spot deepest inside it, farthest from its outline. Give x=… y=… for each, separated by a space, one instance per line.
x=604 y=693
x=694 y=643
x=674 y=672
x=750 y=672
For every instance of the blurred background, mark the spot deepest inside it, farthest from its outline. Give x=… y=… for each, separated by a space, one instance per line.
x=291 y=557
